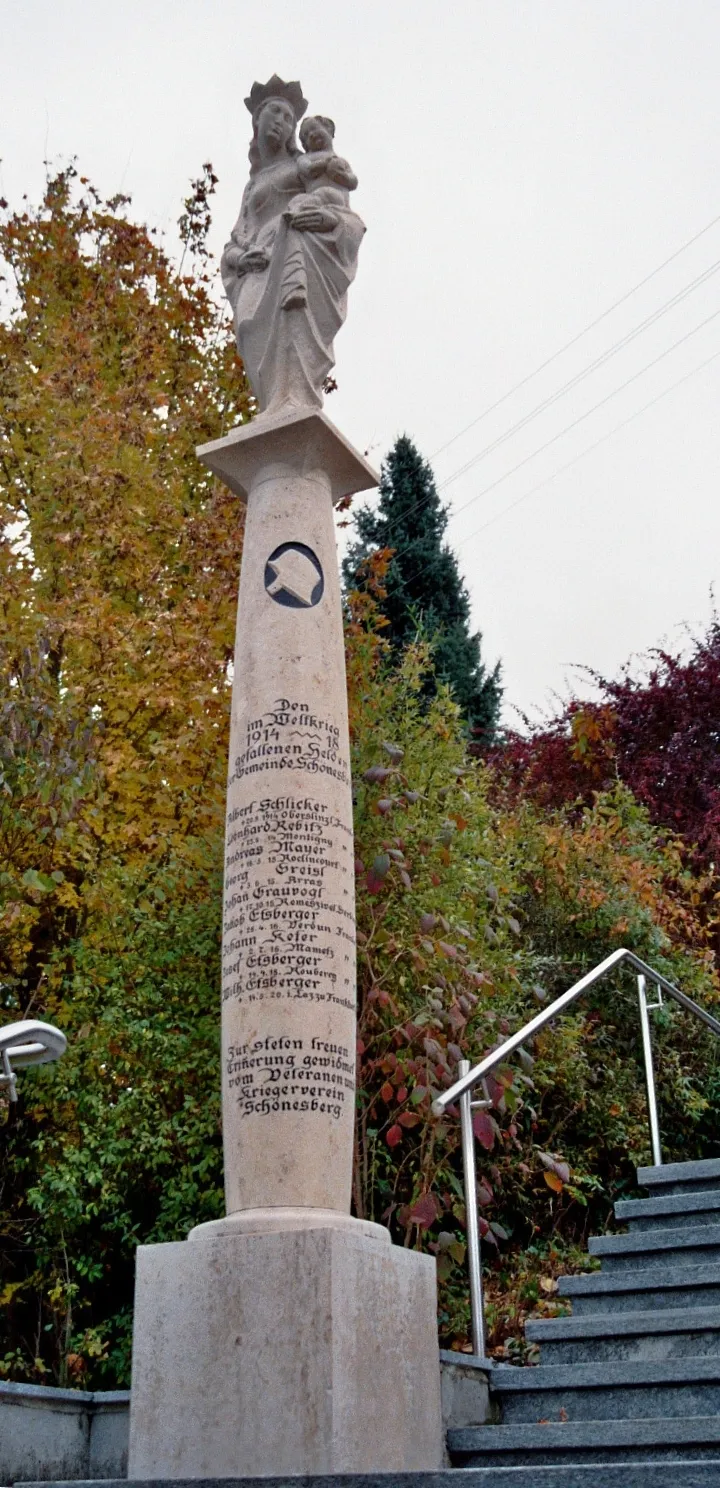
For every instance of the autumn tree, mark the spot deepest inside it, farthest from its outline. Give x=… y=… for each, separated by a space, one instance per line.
x=119 y=558
x=656 y=727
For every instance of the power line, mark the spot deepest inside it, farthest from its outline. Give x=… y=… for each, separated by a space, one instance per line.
x=611 y=432
x=588 y=413
x=579 y=377
x=576 y=422
x=682 y=294
x=573 y=382
x=687 y=376
x=578 y=337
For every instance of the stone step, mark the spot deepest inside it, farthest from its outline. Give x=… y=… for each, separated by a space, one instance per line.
x=663 y=1334
x=693 y=1438
x=687 y=1474
x=603 y=1392
x=562 y=1475
x=635 y=1290
x=696 y=1474
x=682 y=1177
x=670 y=1211
x=691 y=1245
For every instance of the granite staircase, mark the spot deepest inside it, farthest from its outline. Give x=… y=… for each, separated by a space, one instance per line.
x=627 y=1394
x=628 y=1387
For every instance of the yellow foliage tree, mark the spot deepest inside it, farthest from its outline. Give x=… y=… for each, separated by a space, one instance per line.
x=119 y=555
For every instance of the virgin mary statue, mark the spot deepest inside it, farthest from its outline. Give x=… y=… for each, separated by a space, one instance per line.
x=292 y=253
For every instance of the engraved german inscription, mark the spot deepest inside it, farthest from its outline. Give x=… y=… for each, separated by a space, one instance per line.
x=282 y=1073
x=289 y=907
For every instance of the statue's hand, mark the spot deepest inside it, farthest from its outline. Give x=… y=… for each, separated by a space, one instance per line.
x=310 y=166
x=232 y=257
x=254 y=261
x=339 y=170
x=312 y=219
x=245 y=260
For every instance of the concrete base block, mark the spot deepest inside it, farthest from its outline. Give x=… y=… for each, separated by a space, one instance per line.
x=310 y=1352
x=465 y=1390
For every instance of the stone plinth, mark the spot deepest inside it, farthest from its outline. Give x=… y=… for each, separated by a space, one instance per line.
x=288 y=1021
x=286 y=1353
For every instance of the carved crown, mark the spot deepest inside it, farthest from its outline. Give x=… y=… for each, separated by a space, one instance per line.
x=276 y=88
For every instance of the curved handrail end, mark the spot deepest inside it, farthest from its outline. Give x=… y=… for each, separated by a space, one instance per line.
x=497 y=1056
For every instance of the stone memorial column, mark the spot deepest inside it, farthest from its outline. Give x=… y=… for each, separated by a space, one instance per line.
x=287 y=1337
x=288 y=1012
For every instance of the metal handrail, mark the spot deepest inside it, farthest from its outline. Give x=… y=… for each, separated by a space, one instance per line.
x=24 y=1043
x=462 y=1089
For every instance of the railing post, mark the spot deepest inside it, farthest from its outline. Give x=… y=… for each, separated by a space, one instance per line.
x=471 y=1217
x=8 y=1075
x=649 y=1074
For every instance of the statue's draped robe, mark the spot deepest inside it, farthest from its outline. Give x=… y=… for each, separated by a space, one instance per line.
x=288 y=352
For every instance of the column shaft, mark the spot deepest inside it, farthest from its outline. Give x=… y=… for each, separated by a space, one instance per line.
x=288 y=1023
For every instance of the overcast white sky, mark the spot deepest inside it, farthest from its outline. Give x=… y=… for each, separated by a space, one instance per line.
x=522 y=164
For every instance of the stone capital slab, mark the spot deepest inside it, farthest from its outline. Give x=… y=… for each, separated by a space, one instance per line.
x=302 y=443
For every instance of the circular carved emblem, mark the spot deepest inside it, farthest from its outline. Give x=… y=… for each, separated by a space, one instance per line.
x=294 y=576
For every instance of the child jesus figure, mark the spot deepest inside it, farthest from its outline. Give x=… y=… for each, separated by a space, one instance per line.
x=329 y=180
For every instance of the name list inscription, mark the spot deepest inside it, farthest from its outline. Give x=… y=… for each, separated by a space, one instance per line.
x=289 y=927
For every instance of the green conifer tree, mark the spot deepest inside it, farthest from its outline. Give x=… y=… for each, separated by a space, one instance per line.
x=423 y=584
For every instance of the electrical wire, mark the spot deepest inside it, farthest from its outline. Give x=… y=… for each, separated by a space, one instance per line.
x=687 y=376
x=578 y=337
x=579 y=377
x=682 y=294
x=399 y=552
x=610 y=434
x=573 y=382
